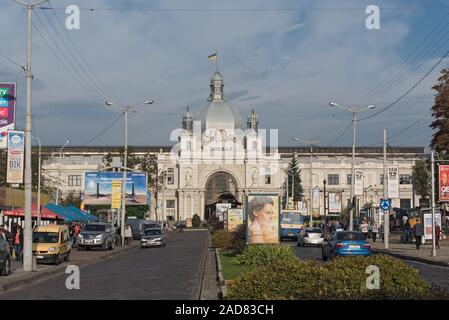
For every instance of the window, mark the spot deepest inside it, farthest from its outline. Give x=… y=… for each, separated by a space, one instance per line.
x=267 y=176
x=74 y=181
x=170 y=204
x=405 y=203
x=170 y=176
x=348 y=179
x=405 y=179
x=333 y=179
x=381 y=179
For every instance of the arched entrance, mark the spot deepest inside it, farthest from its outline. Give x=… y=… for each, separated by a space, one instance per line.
x=221 y=187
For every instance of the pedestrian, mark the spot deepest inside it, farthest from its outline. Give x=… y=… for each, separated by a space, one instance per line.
x=374 y=231
x=76 y=232
x=437 y=235
x=364 y=229
x=18 y=243
x=370 y=229
x=381 y=231
x=418 y=232
x=128 y=234
x=407 y=232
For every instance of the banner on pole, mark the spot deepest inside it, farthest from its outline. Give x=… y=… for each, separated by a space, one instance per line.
x=7 y=111
x=116 y=194
x=393 y=182
x=16 y=152
x=358 y=183
x=443 y=185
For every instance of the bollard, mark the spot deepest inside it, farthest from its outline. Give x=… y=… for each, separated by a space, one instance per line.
x=34 y=266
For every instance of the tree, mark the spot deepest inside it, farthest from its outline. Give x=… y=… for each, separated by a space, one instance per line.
x=421 y=176
x=440 y=111
x=72 y=199
x=294 y=173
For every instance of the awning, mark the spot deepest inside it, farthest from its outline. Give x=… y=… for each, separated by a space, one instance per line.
x=60 y=210
x=71 y=213
x=83 y=215
x=45 y=213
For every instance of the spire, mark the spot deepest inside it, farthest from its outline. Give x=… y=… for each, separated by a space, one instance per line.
x=252 y=121
x=187 y=120
x=216 y=87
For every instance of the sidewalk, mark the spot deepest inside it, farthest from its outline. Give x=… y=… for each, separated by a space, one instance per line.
x=408 y=251
x=19 y=278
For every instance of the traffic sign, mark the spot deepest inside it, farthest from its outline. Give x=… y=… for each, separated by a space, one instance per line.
x=385 y=204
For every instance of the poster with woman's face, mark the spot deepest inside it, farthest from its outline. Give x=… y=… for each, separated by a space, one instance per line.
x=262 y=216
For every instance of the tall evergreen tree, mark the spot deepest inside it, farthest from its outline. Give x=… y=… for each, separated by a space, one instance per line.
x=294 y=175
x=440 y=111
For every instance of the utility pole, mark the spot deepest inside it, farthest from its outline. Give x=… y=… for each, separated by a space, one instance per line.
x=432 y=164
x=386 y=214
x=27 y=236
x=39 y=184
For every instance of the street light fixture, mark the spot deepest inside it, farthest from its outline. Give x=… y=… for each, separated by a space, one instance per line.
x=126 y=108
x=59 y=170
x=354 y=112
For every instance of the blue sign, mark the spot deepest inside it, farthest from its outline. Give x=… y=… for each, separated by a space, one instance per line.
x=385 y=204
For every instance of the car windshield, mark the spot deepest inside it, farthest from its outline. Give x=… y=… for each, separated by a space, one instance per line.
x=314 y=230
x=357 y=236
x=45 y=237
x=292 y=217
x=94 y=227
x=152 y=232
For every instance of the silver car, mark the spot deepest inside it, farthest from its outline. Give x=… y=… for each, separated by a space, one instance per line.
x=152 y=237
x=310 y=236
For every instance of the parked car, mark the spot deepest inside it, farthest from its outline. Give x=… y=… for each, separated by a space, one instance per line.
x=51 y=244
x=139 y=225
x=97 y=235
x=345 y=243
x=310 y=236
x=152 y=237
x=5 y=258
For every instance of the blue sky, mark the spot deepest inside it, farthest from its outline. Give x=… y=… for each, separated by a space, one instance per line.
x=286 y=64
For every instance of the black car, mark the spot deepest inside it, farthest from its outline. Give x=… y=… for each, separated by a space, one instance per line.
x=5 y=258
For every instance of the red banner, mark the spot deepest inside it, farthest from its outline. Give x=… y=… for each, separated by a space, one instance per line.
x=443 y=185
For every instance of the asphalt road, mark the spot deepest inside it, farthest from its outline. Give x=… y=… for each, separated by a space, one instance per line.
x=171 y=273
x=433 y=274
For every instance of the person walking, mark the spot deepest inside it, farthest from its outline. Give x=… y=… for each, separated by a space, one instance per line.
x=418 y=232
x=374 y=231
x=76 y=232
x=370 y=229
x=128 y=234
x=406 y=232
x=18 y=243
x=364 y=229
x=437 y=235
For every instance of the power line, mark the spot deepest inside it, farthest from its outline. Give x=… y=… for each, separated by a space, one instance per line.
x=341 y=134
x=104 y=130
x=11 y=60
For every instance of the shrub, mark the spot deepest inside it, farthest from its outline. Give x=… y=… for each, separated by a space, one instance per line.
x=221 y=239
x=238 y=239
x=260 y=255
x=344 y=278
x=196 y=221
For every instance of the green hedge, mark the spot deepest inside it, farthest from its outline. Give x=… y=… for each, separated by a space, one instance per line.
x=344 y=278
x=221 y=239
x=261 y=255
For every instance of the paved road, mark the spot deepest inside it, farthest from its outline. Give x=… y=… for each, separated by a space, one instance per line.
x=171 y=273
x=433 y=274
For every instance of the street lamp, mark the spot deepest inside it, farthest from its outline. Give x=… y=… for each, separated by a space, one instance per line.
x=311 y=143
x=59 y=171
x=39 y=183
x=354 y=112
x=126 y=109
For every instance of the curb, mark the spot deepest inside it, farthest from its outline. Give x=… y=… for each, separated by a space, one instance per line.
x=221 y=279
x=53 y=272
x=417 y=259
x=198 y=289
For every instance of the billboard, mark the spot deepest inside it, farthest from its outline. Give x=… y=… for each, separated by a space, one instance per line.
x=98 y=187
x=263 y=218
x=7 y=111
x=393 y=182
x=221 y=208
x=334 y=202
x=358 y=182
x=428 y=223
x=316 y=203
x=443 y=182
x=16 y=152
x=235 y=218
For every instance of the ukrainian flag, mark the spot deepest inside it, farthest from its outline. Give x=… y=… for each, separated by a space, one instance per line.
x=213 y=56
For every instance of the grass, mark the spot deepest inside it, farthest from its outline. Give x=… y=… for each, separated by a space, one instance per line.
x=230 y=270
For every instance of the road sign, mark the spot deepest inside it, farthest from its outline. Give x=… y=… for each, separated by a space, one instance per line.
x=385 y=204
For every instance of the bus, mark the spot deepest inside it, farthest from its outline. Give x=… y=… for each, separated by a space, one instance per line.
x=292 y=222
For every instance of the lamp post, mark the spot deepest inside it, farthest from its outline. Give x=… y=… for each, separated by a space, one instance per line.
x=126 y=109
x=354 y=112
x=39 y=183
x=311 y=143
x=59 y=170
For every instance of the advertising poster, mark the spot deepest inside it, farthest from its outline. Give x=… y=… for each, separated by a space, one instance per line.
x=262 y=218
x=7 y=111
x=235 y=218
x=221 y=208
x=116 y=194
x=334 y=202
x=428 y=223
x=393 y=182
x=316 y=203
x=98 y=187
x=358 y=182
x=443 y=185
x=16 y=153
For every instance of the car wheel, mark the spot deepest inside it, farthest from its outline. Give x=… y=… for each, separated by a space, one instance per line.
x=6 y=270
x=112 y=246
x=105 y=247
x=67 y=257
